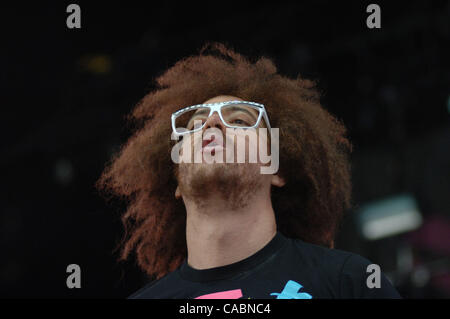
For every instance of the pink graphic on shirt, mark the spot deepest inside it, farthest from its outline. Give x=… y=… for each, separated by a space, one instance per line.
x=228 y=294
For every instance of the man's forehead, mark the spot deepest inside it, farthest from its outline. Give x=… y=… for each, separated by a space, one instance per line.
x=222 y=98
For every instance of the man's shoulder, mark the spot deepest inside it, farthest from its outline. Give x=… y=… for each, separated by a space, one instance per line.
x=321 y=254
x=350 y=270
x=335 y=262
x=332 y=256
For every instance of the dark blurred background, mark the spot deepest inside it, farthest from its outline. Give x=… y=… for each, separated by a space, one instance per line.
x=65 y=93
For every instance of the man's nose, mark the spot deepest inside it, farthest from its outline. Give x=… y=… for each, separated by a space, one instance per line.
x=214 y=121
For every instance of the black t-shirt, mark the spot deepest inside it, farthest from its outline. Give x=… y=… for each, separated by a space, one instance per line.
x=285 y=268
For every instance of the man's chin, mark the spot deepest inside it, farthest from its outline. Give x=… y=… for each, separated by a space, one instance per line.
x=234 y=182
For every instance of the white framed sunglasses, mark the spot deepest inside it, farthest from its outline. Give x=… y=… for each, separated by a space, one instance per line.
x=233 y=114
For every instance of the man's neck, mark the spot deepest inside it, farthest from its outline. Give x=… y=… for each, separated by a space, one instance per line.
x=217 y=235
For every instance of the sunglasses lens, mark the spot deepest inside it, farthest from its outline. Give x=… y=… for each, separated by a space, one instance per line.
x=192 y=119
x=240 y=115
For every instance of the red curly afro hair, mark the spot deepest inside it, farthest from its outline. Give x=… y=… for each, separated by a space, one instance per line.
x=314 y=156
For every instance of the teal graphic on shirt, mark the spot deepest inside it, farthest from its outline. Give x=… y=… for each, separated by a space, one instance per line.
x=291 y=291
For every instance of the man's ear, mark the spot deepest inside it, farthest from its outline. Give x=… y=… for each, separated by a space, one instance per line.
x=278 y=181
x=177 y=193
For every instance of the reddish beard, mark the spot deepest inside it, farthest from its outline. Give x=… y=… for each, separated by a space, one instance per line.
x=234 y=183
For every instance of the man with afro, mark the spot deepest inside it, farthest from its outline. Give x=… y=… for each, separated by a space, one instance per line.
x=225 y=230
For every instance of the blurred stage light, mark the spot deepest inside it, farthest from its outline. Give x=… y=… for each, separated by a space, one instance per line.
x=448 y=104
x=96 y=64
x=388 y=217
x=63 y=171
